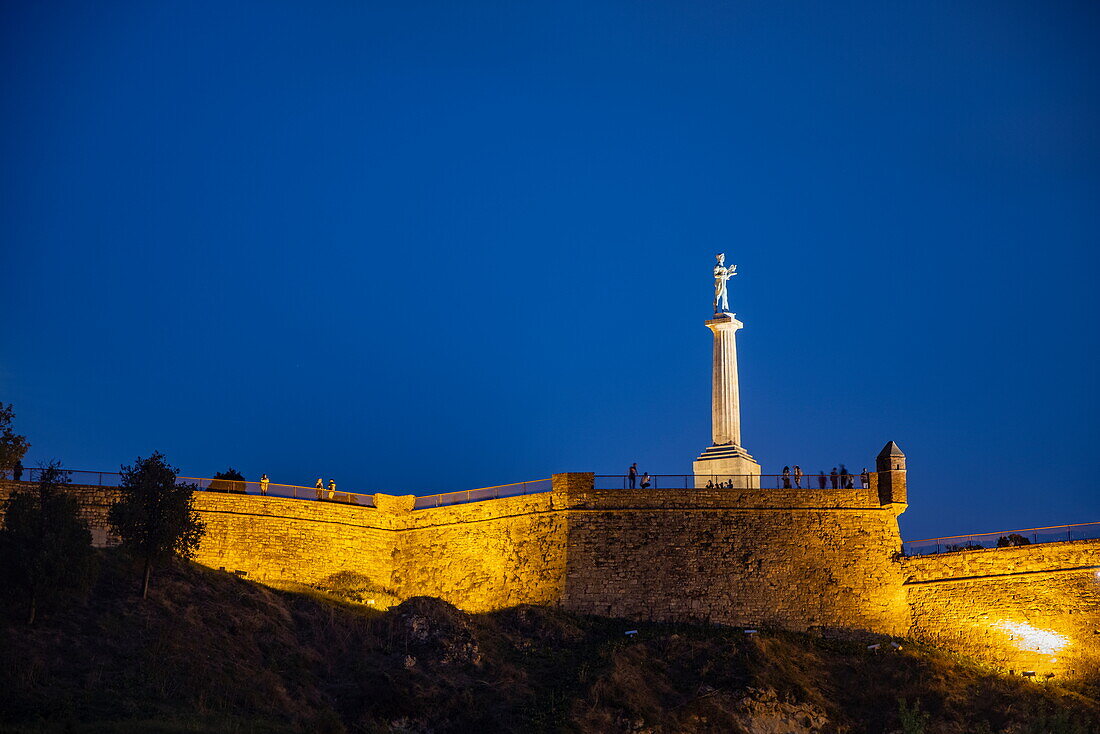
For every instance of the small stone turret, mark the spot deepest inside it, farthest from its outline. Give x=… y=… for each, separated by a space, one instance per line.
x=890 y=465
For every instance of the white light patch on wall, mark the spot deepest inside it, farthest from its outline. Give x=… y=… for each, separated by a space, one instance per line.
x=1027 y=637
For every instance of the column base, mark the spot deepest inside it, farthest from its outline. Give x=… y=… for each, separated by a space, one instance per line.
x=721 y=465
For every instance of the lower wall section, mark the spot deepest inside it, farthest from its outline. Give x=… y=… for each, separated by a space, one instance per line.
x=485 y=555
x=1027 y=608
x=274 y=539
x=798 y=569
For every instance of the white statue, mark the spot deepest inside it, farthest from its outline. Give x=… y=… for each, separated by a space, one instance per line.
x=721 y=275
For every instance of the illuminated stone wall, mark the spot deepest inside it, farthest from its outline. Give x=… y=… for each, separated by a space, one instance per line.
x=274 y=539
x=801 y=559
x=483 y=555
x=479 y=556
x=1026 y=608
x=94 y=504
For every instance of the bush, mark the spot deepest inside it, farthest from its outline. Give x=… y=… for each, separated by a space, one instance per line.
x=45 y=546
x=229 y=480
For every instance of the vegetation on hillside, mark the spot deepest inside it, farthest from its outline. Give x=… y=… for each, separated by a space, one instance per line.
x=45 y=546
x=13 y=447
x=154 y=515
x=212 y=652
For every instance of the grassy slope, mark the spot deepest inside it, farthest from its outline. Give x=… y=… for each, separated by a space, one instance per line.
x=211 y=652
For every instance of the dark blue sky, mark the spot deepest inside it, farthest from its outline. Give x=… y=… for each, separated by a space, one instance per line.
x=435 y=246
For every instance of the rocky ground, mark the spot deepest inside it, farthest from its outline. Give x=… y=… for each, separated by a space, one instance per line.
x=209 y=652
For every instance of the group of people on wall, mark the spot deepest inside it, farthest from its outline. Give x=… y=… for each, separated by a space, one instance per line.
x=322 y=493
x=791 y=478
x=842 y=479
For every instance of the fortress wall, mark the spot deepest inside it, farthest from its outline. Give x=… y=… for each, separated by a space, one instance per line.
x=484 y=555
x=1032 y=607
x=274 y=539
x=800 y=560
x=480 y=556
x=268 y=538
x=583 y=496
x=94 y=504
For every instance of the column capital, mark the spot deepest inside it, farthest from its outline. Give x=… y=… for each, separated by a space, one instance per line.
x=723 y=322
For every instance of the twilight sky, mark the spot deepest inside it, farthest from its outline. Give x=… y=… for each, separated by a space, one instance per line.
x=433 y=246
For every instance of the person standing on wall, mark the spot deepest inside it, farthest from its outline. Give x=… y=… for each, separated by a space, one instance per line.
x=821 y=480
x=864 y=479
x=632 y=474
x=798 y=476
x=845 y=477
x=264 y=481
x=832 y=478
x=786 y=477
x=17 y=471
x=332 y=489
x=320 y=487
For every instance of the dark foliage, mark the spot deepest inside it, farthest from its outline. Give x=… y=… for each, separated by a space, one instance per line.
x=229 y=480
x=155 y=516
x=1012 y=539
x=45 y=546
x=13 y=447
x=952 y=547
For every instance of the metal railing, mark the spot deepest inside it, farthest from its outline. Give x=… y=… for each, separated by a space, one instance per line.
x=517 y=489
x=76 y=476
x=230 y=486
x=728 y=481
x=1002 y=539
x=288 y=491
x=291 y=491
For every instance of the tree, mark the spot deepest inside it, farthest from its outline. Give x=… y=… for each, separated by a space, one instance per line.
x=229 y=480
x=155 y=517
x=12 y=446
x=45 y=546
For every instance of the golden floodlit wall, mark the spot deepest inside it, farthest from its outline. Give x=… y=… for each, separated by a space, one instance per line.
x=1026 y=608
x=808 y=560
x=801 y=558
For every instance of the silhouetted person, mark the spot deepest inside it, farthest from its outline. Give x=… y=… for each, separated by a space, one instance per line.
x=17 y=471
x=821 y=480
x=632 y=474
x=845 y=477
x=864 y=479
x=832 y=478
x=798 y=476
x=320 y=486
x=786 y=477
x=645 y=481
x=264 y=481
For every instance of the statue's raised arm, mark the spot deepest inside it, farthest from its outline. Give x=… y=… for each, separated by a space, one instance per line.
x=721 y=275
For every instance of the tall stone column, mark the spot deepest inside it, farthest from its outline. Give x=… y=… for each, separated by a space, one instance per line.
x=725 y=460
x=725 y=406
